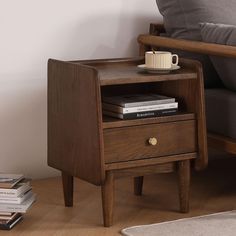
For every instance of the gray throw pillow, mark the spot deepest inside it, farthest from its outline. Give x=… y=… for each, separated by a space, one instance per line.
x=226 y=35
x=181 y=20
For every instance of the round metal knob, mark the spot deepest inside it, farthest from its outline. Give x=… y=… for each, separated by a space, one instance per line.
x=152 y=141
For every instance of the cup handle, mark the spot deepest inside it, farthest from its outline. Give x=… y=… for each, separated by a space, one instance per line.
x=176 y=59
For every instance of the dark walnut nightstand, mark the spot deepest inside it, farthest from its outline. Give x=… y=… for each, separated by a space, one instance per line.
x=84 y=144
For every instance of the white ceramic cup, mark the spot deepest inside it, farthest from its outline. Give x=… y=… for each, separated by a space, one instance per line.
x=160 y=59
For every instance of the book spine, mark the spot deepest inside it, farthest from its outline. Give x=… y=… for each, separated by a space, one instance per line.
x=13 y=180
x=4 y=193
x=150 y=108
x=149 y=114
x=11 y=223
x=6 y=213
x=122 y=110
x=16 y=200
x=148 y=103
x=11 y=208
x=14 y=192
x=20 y=208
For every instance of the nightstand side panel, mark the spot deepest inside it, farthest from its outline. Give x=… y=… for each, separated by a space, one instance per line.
x=75 y=142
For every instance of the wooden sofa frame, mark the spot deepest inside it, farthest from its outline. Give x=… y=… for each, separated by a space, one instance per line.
x=153 y=39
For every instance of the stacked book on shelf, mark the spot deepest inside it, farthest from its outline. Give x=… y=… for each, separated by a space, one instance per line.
x=138 y=106
x=16 y=197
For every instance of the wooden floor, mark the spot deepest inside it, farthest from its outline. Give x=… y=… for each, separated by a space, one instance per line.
x=212 y=191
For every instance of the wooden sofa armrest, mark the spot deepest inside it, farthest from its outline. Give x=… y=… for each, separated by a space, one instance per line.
x=188 y=45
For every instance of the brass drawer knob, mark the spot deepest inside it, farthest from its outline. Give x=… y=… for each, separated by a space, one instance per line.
x=152 y=141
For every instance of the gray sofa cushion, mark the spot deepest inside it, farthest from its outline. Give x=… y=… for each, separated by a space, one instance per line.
x=221 y=112
x=182 y=18
x=222 y=34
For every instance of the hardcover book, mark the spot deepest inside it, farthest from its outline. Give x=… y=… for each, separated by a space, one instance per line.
x=140 y=115
x=6 y=213
x=9 y=180
x=135 y=100
x=9 y=217
x=124 y=110
x=15 y=191
x=17 y=200
x=21 y=208
x=9 y=224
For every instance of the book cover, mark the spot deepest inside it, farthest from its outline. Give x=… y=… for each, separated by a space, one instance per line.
x=140 y=115
x=123 y=110
x=15 y=191
x=21 y=208
x=135 y=100
x=9 y=180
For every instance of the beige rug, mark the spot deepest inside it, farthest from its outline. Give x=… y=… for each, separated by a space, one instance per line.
x=219 y=224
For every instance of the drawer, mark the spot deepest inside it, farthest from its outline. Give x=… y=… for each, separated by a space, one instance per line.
x=146 y=141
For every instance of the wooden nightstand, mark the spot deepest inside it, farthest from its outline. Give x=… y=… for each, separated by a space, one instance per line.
x=84 y=144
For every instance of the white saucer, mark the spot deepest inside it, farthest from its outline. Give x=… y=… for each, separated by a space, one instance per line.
x=156 y=70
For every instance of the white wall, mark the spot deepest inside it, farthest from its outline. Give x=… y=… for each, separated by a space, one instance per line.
x=33 y=31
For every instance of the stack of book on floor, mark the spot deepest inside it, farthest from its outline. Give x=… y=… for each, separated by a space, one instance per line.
x=16 y=197
x=138 y=106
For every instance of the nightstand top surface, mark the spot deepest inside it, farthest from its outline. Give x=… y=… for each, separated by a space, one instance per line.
x=125 y=71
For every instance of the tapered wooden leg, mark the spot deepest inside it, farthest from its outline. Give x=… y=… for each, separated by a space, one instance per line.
x=108 y=199
x=67 y=182
x=184 y=182
x=138 y=185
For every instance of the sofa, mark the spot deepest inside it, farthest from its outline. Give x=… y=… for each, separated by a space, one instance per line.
x=204 y=30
